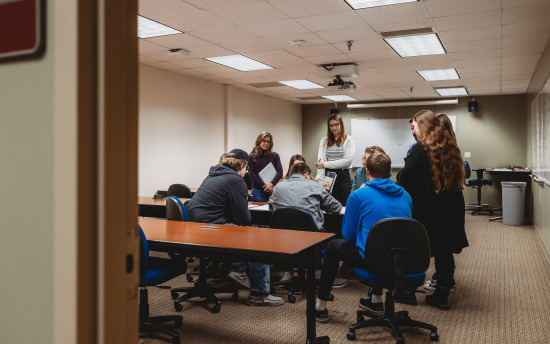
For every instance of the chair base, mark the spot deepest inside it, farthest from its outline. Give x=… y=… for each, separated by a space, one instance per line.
x=202 y=290
x=149 y=326
x=481 y=209
x=391 y=319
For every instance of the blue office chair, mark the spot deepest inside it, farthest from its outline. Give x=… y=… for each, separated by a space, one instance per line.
x=478 y=183
x=179 y=190
x=154 y=271
x=296 y=218
x=397 y=255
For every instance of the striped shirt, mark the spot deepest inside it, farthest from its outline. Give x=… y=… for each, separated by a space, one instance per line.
x=335 y=153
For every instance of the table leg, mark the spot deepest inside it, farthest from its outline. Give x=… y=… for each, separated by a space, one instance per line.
x=310 y=309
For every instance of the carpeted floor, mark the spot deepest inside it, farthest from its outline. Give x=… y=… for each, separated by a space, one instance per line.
x=502 y=296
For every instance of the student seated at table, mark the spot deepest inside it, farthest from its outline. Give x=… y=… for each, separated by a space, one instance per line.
x=360 y=176
x=222 y=199
x=300 y=191
x=380 y=198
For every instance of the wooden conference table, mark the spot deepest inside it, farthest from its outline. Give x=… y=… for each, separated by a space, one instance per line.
x=156 y=207
x=262 y=245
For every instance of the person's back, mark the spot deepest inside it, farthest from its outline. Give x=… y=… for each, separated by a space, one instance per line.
x=299 y=191
x=221 y=198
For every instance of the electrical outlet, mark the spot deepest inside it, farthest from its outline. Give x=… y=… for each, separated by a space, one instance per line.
x=467 y=154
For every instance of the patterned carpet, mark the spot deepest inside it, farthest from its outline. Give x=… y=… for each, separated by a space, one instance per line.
x=502 y=296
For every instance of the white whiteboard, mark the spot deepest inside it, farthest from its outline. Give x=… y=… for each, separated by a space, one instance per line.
x=393 y=135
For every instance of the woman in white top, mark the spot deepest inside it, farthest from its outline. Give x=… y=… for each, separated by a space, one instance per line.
x=336 y=152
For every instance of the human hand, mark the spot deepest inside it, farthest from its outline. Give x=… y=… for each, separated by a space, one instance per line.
x=320 y=164
x=268 y=188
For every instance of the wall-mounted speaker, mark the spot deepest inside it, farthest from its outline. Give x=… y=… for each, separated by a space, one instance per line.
x=472 y=106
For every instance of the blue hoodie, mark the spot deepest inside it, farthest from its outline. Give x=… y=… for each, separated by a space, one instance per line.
x=379 y=199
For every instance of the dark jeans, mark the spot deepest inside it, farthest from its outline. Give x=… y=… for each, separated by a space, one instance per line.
x=342 y=185
x=445 y=270
x=337 y=250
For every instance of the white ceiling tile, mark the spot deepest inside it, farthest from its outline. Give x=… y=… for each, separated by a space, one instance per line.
x=445 y=8
x=316 y=50
x=158 y=9
x=525 y=13
x=406 y=24
x=472 y=55
x=522 y=40
x=226 y=34
x=520 y=59
x=327 y=59
x=335 y=21
x=479 y=68
x=516 y=3
x=193 y=63
x=520 y=65
x=524 y=50
x=188 y=71
x=477 y=62
x=144 y=59
x=184 y=41
x=362 y=46
x=278 y=59
x=209 y=51
x=250 y=46
x=359 y=33
x=309 y=39
x=465 y=35
x=467 y=21
x=473 y=45
x=307 y=8
x=373 y=55
x=195 y=20
x=412 y=11
x=276 y=28
x=526 y=28
x=251 y=13
x=164 y=65
x=210 y=4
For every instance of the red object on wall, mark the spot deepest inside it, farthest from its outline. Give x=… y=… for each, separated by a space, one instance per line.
x=21 y=28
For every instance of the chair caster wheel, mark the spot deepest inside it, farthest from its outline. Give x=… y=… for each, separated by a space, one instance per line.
x=235 y=296
x=178 y=322
x=174 y=295
x=178 y=306
x=217 y=307
x=330 y=297
x=434 y=337
x=189 y=278
x=291 y=298
x=351 y=335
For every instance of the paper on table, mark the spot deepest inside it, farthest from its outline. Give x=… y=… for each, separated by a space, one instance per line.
x=268 y=173
x=262 y=207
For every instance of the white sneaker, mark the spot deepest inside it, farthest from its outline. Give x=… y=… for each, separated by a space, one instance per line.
x=264 y=300
x=287 y=276
x=431 y=285
x=240 y=277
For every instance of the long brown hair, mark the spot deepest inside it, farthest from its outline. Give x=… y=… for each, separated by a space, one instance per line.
x=295 y=157
x=447 y=165
x=330 y=136
x=258 y=152
x=229 y=160
x=447 y=124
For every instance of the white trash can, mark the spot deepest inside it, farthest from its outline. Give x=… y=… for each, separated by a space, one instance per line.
x=513 y=203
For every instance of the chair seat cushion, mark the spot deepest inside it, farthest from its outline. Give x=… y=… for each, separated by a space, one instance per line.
x=366 y=276
x=160 y=270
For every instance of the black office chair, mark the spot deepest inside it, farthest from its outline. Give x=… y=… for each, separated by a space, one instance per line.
x=175 y=211
x=296 y=218
x=397 y=254
x=180 y=191
x=478 y=183
x=154 y=271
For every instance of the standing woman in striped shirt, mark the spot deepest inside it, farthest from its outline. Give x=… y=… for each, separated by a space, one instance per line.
x=336 y=152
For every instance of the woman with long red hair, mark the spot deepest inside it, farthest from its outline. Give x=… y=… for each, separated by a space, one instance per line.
x=434 y=177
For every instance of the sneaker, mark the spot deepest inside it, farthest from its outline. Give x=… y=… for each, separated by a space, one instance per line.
x=321 y=316
x=339 y=282
x=439 y=301
x=431 y=285
x=407 y=297
x=369 y=305
x=287 y=277
x=240 y=277
x=264 y=300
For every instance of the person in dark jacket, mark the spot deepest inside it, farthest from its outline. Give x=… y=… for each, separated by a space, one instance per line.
x=434 y=177
x=222 y=198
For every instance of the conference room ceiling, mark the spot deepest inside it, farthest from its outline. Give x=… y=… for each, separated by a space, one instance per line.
x=494 y=45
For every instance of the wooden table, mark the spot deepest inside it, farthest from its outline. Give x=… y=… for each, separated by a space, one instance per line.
x=262 y=245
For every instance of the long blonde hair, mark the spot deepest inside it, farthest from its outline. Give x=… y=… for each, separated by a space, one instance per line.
x=447 y=165
x=330 y=136
x=229 y=160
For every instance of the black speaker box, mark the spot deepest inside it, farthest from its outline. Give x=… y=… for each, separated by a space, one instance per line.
x=472 y=106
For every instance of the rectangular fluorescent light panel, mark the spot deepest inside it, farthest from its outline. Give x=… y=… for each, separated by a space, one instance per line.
x=340 y=98
x=358 y=4
x=439 y=74
x=452 y=91
x=239 y=62
x=148 y=28
x=417 y=45
x=301 y=84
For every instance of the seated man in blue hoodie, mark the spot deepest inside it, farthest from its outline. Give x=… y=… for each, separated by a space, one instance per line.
x=380 y=198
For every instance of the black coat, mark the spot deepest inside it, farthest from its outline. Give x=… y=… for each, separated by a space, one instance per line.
x=221 y=198
x=441 y=214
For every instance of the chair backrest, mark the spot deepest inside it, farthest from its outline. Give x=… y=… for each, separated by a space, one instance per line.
x=293 y=218
x=467 y=169
x=180 y=191
x=248 y=181
x=143 y=252
x=175 y=210
x=406 y=238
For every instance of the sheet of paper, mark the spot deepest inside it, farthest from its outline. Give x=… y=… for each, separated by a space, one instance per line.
x=261 y=207
x=268 y=173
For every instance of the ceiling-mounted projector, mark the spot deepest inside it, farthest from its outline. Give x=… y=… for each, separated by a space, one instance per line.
x=344 y=70
x=340 y=85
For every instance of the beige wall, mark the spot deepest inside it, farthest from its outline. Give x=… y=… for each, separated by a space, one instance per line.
x=186 y=124
x=495 y=135
x=541 y=191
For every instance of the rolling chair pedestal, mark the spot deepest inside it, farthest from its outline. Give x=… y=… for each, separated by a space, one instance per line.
x=150 y=325
x=479 y=208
